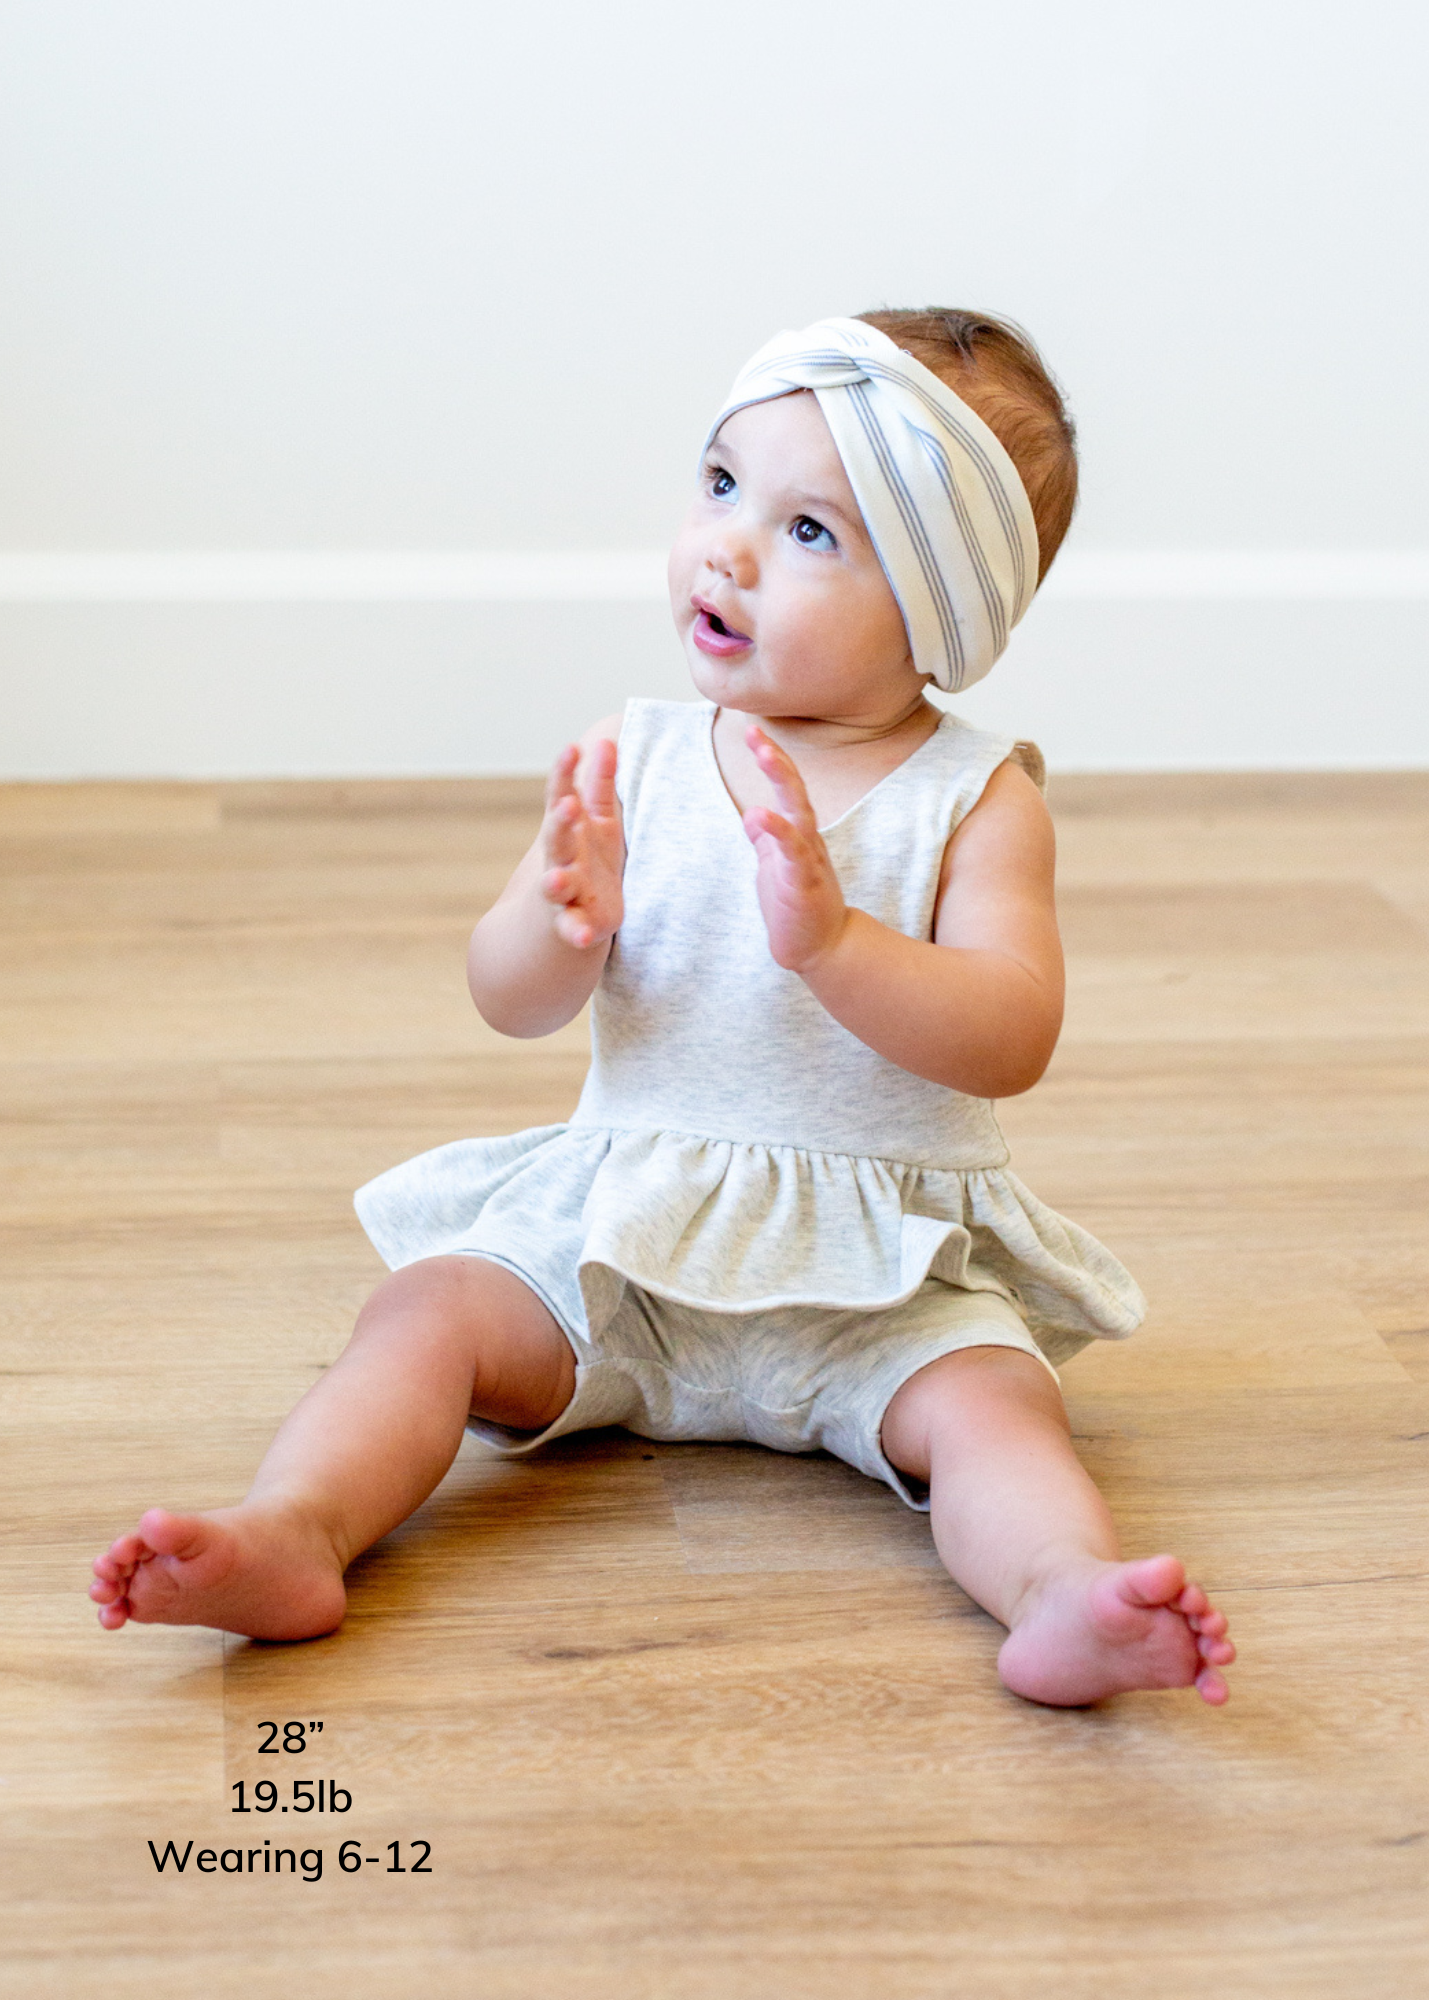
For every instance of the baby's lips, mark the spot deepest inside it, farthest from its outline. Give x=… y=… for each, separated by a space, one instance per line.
x=709 y=610
x=719 y=644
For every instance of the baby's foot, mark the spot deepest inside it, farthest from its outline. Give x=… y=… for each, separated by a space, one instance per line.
x=1110 y=1627
x=268 y=1572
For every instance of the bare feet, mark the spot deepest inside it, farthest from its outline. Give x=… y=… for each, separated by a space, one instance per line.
x=267 y=1571
x=1109 y=1627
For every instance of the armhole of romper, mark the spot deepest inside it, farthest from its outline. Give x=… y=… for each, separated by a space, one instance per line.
x=1025 y=755
x=1030 y=759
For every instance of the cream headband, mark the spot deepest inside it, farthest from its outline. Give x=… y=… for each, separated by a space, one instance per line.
x=941 y=499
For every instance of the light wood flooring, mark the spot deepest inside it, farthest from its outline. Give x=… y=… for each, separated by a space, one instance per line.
x=694 y=1723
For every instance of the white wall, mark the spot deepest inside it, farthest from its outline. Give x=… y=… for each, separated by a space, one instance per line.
x=302 y=275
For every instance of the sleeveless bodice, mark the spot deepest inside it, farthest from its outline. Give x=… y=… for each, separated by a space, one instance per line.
x=695 y=1028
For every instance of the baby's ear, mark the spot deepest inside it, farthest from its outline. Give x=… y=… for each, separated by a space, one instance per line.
x=1032 y=762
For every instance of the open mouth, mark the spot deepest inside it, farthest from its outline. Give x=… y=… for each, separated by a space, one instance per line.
x=713 y=635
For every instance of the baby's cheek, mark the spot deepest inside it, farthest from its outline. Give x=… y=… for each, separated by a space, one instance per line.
x=797 y=652
x=822 y=644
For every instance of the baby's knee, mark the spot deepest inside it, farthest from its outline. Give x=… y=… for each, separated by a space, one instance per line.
x=455 y=1306
x=974 y=1385
x=483 y=1317
x=431 y=1291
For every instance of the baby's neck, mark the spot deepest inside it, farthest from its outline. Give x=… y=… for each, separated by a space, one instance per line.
x=838 y=759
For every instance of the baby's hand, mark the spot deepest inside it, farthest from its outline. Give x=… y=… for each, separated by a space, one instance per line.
x=584 y=848
x=799 y=893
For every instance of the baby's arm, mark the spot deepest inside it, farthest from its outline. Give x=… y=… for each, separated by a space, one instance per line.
x=978 y=1008
x=536 y=955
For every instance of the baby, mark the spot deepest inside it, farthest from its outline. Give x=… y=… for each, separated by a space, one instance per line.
x=813 y=916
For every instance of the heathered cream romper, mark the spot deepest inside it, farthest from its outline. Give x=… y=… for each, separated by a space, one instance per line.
x=754 y=1227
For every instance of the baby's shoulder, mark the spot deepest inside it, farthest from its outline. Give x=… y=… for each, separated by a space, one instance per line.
x=1010 y=797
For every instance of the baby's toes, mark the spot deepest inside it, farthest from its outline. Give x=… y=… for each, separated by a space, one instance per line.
x=126 y=1552
x=112 y=1616
x=1211 y=1688
x=1213 y=1624
x=1193 y=1602
x=1217 y=1652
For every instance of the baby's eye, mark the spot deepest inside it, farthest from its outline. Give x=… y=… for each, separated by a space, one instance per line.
x=811 y=534
x=722 y=485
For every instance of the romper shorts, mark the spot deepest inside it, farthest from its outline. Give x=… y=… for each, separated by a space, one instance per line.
x=798 y=1378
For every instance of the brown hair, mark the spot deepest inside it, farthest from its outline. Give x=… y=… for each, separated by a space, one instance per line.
x=994 y=366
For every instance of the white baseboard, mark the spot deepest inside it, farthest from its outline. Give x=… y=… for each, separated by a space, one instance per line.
x=294 y=664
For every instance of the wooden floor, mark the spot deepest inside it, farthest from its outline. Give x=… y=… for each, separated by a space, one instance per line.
x=689 y=1723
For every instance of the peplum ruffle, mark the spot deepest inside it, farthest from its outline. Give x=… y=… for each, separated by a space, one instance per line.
x=734 y=1226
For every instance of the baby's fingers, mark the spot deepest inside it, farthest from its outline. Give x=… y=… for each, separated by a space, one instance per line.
x=559 y=885
x=562 y=831
x=562 y=780
x=598 y=784
x=762 y=821
x=800 y=848
x=575 y=927
x=797 y=863
x=783 y=774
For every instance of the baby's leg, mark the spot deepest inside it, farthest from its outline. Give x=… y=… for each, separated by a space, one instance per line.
x=441 y=1340
x=1025 y=1532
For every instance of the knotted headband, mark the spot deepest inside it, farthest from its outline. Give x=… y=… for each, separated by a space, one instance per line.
x=942 y=501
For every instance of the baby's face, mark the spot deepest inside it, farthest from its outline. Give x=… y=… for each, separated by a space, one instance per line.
x=779 y=599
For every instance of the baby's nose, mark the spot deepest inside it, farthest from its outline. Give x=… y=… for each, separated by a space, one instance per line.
x=733 y=556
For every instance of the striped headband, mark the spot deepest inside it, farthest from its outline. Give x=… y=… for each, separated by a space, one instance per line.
x=942 y=501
